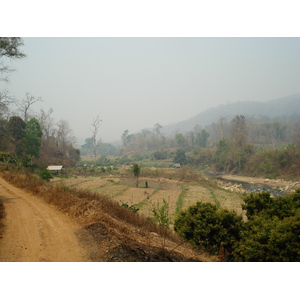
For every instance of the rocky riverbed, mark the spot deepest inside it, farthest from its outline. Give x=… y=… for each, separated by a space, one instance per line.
x=244 y=184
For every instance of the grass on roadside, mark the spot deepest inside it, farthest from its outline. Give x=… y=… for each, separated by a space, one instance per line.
x=87 y=207
x=2 y=217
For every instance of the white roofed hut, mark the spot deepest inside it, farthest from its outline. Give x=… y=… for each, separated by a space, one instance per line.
x=55 y=169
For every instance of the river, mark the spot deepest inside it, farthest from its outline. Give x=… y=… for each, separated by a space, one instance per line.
x=247 y=186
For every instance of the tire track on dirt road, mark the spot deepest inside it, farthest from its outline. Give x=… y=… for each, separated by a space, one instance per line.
x=36 y=232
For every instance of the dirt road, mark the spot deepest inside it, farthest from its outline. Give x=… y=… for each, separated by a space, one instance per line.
x=36 y=232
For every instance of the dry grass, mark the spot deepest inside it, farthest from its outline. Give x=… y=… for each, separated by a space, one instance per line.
x=123 y=190
x=2 y=216
x=76 y=202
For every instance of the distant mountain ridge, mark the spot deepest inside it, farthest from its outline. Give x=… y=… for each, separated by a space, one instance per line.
x=285 y=106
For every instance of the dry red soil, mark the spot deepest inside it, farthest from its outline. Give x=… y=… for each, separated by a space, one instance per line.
x=35 y=231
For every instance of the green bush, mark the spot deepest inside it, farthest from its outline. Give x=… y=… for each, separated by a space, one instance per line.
x=270 y=240
x=5 y=157
x=45 y=175
x=263 y=204
x=206 y=227
x=272 y=233
x=160 y=214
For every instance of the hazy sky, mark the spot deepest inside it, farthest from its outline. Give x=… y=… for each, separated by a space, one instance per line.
x=133 y=83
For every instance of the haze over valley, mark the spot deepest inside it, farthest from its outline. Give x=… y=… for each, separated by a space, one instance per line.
x=158 y=149
x=134 y=83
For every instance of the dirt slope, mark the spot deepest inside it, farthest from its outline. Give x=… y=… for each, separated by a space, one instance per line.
x=36 y=232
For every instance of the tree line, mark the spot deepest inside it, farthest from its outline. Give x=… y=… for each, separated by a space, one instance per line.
x=254 y=147
x=262 y=132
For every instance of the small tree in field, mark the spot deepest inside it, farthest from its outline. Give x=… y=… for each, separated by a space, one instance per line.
x=136 y=170
x=95 y=125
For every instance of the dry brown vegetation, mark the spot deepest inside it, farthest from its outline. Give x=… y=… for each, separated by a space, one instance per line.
x=180 y=188
x=2 y=216
x=113 y=233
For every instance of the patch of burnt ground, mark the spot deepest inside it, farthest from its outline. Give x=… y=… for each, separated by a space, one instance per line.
x=107 y=246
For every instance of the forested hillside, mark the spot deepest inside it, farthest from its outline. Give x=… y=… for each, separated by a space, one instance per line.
x=273 y=109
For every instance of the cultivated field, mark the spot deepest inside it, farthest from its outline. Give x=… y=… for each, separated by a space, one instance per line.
x=179 y=194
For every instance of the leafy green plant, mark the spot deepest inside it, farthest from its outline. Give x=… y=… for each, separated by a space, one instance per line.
x=45 y=175
x=161 y=216
x=206 y=227
x=270 y=240
x=131 y=207
x=272 y=231
x=160 y=213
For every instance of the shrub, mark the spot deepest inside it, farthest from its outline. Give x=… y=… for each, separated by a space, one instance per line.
x=160 y=214
x=45 y=175
x=270 y=240
x=7 y=158
x=207 y=227
x=263 y=204
x=272 y=232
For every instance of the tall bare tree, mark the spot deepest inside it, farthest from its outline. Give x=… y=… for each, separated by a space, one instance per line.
x=25 y=104
x=47 y=125
x=95 y=128
x=239 y=130
x=157 y=129
x=124 y=137
x=64 y=137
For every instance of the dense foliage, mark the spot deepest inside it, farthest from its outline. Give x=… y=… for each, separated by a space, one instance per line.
x=180 y=157
x=206 y=227
x=272 y=231
x=271 y=234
